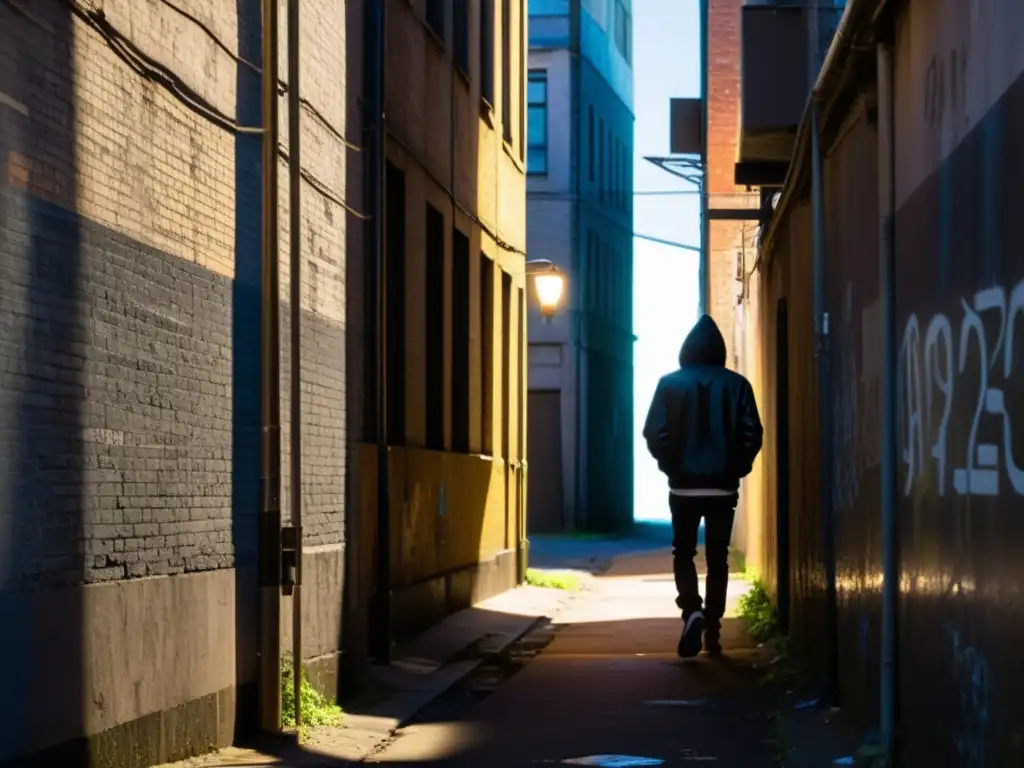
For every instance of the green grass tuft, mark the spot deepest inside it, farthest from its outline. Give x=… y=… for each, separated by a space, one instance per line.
x=570 y=582
x=317 y=710
x=758 y=612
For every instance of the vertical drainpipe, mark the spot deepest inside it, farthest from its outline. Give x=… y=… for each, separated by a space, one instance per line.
x=705 y=224
x=377 y=174
x=887 y=283
x=294 y=579
x=822 y=352
x=270 y=396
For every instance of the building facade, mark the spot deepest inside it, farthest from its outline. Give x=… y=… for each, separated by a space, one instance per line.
x=580 y=215
x=920 y=124
x=455 y=220
x=131 y=229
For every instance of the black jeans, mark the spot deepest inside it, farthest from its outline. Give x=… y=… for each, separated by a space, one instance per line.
x=718 y=513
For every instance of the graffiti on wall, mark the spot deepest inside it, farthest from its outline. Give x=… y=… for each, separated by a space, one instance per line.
x=971 y=679
x=968 y=359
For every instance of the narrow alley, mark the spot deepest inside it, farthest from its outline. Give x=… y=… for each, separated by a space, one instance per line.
x=582 y=673
x=608 y=684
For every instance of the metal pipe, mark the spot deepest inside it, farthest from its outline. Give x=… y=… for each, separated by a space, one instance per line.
x=821 y=327
x=270 y=391
x=704 y=275
x=378 y=173
x=887 y=283
x=295 y=249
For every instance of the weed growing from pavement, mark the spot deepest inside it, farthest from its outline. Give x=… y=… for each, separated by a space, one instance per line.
x=758 y=613
x=570 y=582
x=317 y=710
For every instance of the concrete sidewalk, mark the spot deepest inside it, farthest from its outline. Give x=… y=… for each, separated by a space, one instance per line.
x=422 y=670
x=610 y=684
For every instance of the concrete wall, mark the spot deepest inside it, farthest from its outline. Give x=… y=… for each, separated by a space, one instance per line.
x=959 y=289
x=457 y=514
x=129 y=246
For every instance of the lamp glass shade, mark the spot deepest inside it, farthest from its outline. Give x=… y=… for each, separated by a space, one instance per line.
x=550 y=287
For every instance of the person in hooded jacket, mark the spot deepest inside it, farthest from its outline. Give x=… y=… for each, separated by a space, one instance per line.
x=704 y=431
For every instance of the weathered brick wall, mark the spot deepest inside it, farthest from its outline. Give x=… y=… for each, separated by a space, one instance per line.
x=723 y=134
x=130 y=254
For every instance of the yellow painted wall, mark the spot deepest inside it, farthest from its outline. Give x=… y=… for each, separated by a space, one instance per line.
x=451 y=511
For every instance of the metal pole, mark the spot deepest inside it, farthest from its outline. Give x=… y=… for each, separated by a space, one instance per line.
x=378 y=175
x=705 y=224
x=270 y=448
x=295 y=252
x=821 y=322
x=887 y=281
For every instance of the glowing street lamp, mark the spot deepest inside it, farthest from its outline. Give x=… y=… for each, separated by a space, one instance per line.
x=549 y=282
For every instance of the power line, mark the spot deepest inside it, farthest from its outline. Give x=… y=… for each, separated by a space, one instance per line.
x=670 y=243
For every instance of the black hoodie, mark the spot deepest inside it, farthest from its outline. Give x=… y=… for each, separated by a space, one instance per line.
x=703 y=427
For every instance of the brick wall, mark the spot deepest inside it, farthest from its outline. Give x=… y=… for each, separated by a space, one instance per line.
x=727 y=237
x=130 y=234
x=138 y=219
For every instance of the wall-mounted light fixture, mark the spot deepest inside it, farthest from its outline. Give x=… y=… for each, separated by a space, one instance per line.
x=549 y=283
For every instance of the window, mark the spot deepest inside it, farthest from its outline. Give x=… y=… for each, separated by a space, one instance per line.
x=537 y=136
x=590 y=140
x=434 y=325
x=487 y=53
x=600 y=159
x=506 y=363
x=460 y=342
x=613 y=153
x=486 y=355
x=590 y=274
x=623 y=30
x=394 y=217
x=506 y=69
x=460 y=33
x=626 y=190
x=435 y=18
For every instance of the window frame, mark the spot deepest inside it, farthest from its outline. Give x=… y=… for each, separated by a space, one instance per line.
x=536 y=76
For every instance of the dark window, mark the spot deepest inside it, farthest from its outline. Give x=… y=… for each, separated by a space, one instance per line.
x=623 y=30
x=589 y=278
x=435 y=303
x=435 y=17
x=460 y=31
x=460 y=342
x=487 y=52
x=590 y=140
x=506 y=69
x=506 y=363
x=521 y=377
x=613 y=172
x=537 y=100
x=486 y=354
x=394 y=217
x=600 y=159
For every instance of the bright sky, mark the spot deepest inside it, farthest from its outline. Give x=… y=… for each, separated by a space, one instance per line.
x=666 y=63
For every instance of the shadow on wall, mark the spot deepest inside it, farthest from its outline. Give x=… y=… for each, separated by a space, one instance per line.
x=45 y=516
x=452 y=514
x=245 y=368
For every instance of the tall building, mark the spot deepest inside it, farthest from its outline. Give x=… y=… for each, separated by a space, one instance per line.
x=132 y=229
x=455 y=219
x=580 y=215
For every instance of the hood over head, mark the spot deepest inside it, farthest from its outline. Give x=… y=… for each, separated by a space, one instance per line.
x=704 y=344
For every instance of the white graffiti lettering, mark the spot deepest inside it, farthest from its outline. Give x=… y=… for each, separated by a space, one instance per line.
x=928 y=389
